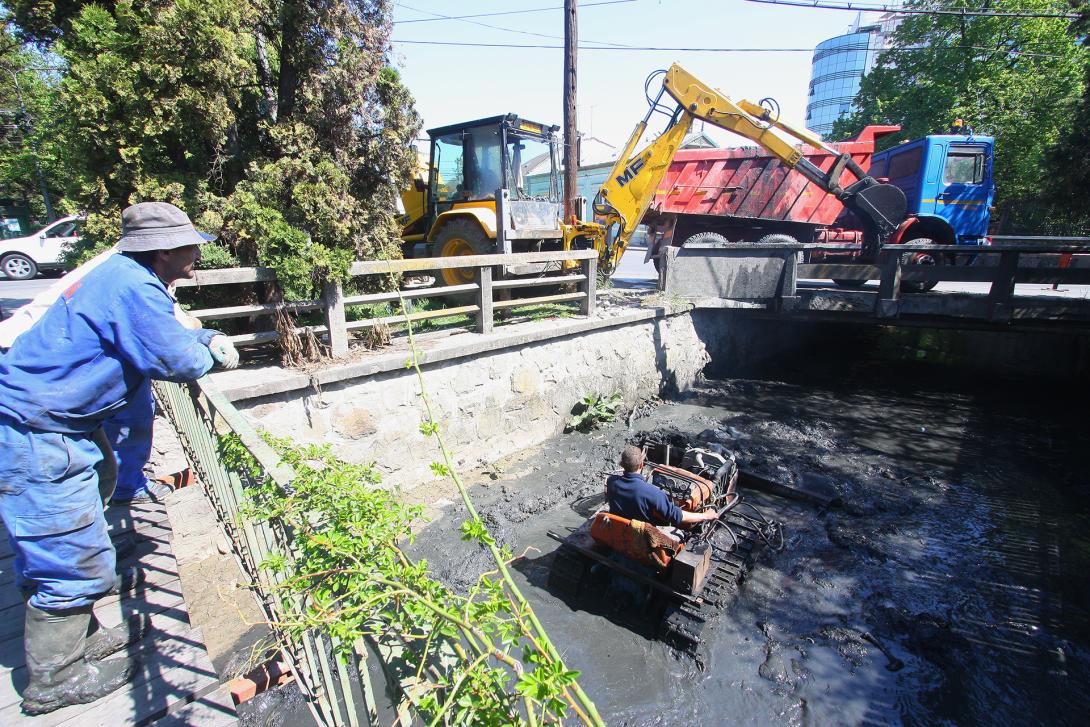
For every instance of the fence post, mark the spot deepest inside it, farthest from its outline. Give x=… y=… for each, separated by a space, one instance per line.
x=789 y=286
x=1002 y=292
x=484 y=299
x=333 y=298
x=889 y=288
x=590 y=286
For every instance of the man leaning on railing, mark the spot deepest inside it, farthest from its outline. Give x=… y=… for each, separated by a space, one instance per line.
x=92 y=351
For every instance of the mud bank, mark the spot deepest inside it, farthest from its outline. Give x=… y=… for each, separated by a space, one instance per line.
x=950 y=587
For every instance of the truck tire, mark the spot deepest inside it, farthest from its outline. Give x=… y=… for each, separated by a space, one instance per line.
x=922 y=258
x=778 y=238
x=18 y=266
x=712 y=237
x=460 y=237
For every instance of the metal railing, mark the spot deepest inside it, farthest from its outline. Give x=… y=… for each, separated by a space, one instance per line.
x=999 y=265
x=338 y=689
x=896 y=268
x=488 y=280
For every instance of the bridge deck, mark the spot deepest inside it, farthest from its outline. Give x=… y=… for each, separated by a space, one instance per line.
x=954 y=304
x=175 y=682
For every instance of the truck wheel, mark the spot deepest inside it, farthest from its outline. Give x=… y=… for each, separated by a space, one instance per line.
x=18 y=266
x=778 y=238
x=460 y=237
x=920 y=258
x=713 y=237
x=705 y=237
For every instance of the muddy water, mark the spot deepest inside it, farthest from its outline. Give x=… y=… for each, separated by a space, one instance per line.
x=951 y=587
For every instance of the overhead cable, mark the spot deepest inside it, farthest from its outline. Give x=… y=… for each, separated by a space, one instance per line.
x=991 y=49
x=504 y=12
x=440 y=16
x=898 y=10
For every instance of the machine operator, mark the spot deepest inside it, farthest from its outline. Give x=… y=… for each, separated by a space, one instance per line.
x=631 y=496
x=92 y=352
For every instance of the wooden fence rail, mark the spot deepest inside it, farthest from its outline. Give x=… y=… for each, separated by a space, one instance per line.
x=488 y=274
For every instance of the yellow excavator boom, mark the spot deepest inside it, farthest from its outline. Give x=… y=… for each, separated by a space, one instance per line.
x=632 y=183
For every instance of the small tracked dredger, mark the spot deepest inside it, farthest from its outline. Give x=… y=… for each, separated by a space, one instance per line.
x=688 y=575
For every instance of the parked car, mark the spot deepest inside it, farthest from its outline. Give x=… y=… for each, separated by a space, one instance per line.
x=21 y=258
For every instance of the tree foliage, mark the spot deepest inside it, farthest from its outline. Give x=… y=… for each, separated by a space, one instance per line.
x=1019 y=79
x=27 y=140
x=1069 y=161
x=278 y=123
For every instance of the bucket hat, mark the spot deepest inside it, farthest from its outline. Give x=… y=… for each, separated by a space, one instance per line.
x=157 y=226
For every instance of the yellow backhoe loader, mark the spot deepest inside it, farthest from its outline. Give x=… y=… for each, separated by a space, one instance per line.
x=493 y=184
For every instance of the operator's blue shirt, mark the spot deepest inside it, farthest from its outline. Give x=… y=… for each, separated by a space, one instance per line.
x=95 y=347
x=631 y=496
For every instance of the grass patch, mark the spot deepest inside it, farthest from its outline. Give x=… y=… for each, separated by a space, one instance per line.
x=542 y=311
x=384 y=310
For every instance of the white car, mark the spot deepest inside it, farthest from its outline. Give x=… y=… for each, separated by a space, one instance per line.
x=22 y=257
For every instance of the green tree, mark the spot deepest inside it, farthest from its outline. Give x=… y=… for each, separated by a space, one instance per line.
x=277 y=122
x=1069 y=160
x=27 y=153
x=1018 y=79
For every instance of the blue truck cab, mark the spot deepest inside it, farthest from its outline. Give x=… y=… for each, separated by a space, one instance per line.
x=948 y=183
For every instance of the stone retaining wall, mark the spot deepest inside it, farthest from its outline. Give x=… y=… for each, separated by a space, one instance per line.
x=490 y=405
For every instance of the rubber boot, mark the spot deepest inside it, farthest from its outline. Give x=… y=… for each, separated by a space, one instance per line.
x=102 y=641
x=60 y=676
x=150 y=492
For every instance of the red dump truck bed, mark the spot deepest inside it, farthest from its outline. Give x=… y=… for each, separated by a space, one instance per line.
x=748 y=182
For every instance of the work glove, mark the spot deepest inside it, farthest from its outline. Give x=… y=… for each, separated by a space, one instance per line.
x=223 y=351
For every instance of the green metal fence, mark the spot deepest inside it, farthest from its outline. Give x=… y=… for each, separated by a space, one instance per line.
x=340 y=690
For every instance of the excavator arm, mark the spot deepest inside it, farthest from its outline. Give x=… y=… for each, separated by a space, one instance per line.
x=631 y=185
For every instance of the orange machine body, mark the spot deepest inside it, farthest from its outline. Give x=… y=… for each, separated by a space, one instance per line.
x=640 y=541
x=691 y=498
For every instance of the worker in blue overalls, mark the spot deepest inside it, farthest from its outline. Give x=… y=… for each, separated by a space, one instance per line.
x=130 y=433
x=91 y=352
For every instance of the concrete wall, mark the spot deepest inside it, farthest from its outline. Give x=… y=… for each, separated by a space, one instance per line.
x=489 y=405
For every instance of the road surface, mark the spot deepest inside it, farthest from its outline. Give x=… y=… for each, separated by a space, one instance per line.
x=633 y=272
x=15 y=293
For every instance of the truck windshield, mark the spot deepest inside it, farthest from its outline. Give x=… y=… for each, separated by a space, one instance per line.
x=531 y=169
x=964 y=166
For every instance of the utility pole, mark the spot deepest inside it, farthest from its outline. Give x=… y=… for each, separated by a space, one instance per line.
x=571 y=133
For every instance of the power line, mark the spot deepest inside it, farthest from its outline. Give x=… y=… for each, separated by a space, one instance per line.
x=440 y=16
x=505 y=12
x=898 y=10
x=1008 y=51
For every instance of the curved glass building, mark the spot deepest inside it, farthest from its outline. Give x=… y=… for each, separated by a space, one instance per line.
x=839 y=65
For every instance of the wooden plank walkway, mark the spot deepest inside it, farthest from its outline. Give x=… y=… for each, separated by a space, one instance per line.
x=174 y=684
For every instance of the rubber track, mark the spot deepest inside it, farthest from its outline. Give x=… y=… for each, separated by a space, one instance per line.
x=683 y=623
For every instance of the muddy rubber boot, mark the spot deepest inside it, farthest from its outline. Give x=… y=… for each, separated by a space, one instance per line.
x=103 y=641
x=59 y=675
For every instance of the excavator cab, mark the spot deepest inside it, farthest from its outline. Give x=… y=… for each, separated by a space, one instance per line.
x=493 y=186
x=471 y=161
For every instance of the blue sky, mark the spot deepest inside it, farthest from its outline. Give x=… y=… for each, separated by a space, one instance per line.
x=455 y=83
